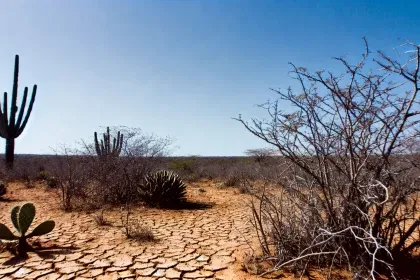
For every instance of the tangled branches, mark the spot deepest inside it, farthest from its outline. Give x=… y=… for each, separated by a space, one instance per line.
x=350 y=196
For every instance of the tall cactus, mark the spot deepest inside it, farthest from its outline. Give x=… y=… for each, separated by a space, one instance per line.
x=10 y=128
x=104 y=149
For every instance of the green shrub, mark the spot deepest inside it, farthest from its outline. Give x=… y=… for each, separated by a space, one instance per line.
x=163 y=189
x=52 y=182
x=43 y=175
x=184 y=165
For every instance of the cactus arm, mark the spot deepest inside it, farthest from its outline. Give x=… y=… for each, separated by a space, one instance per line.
x=114 y=146
x=6 y=120
x=43 y=228
x=102 y=148
x=22 y=108
x=121 y=144
x=28 y=113
x=3 y=124
x=14 y=217
x=118 y=142
x=109 y=140
x=13 y=107
x=6 y=234
x=106 y=140
x=97 y=148
x=108 y=146
x=26 y=217
x=104 y=144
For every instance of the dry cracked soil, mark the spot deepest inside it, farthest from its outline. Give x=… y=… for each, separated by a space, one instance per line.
x=190 y=244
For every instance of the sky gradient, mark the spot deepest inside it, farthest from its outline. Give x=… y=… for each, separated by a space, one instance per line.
x=177 y=68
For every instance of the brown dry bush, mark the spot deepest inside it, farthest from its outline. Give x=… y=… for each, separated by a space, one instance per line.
x=100 y=219
x=71 y=173
x=349 y=196
x=115 y=180
x=133 y=229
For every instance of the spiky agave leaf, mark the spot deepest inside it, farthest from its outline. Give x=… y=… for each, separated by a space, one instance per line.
x=6 y=234
x=43 y=228
x=26 y=217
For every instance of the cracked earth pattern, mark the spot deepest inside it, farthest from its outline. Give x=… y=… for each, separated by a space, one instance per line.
x=191 y=244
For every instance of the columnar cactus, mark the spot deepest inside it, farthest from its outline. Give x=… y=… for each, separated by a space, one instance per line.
x=10 y=128
x=22 y=218
x=104 y=149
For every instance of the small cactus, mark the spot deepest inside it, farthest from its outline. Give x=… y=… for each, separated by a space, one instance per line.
x=22 y=218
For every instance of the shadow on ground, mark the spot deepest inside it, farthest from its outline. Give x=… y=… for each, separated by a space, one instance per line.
x=193 y=205
x=42 y=252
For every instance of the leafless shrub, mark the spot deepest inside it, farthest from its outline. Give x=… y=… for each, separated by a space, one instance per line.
x=137 y=143
x=100 y=219
x=251 y=265
x=72 y=175
x=261 y=155
x=246 y=186
x=140 y=232
x=134 y=229
x=350 y=197
x=117 y=179
x=232 y=181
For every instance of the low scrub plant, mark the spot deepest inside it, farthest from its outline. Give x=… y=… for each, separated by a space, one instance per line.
x=232 y=180
x=43 y=175
x=100 y=219
x=134 y=229
x=52 y=182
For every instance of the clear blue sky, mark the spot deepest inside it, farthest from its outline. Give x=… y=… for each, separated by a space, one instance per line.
x=177 y=68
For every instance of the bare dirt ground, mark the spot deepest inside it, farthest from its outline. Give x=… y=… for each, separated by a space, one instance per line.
x=191 y=244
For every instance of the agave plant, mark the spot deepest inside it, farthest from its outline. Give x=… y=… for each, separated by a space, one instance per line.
x=163 y=189
x=22 y=218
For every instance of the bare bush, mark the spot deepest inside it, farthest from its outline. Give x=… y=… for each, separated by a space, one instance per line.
x=115 y=180
x=134 y=229
x=137 y=143
x=232 y=180
x=71 y=175
x=100 y=219
x=350 y=197
x=261 y=155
